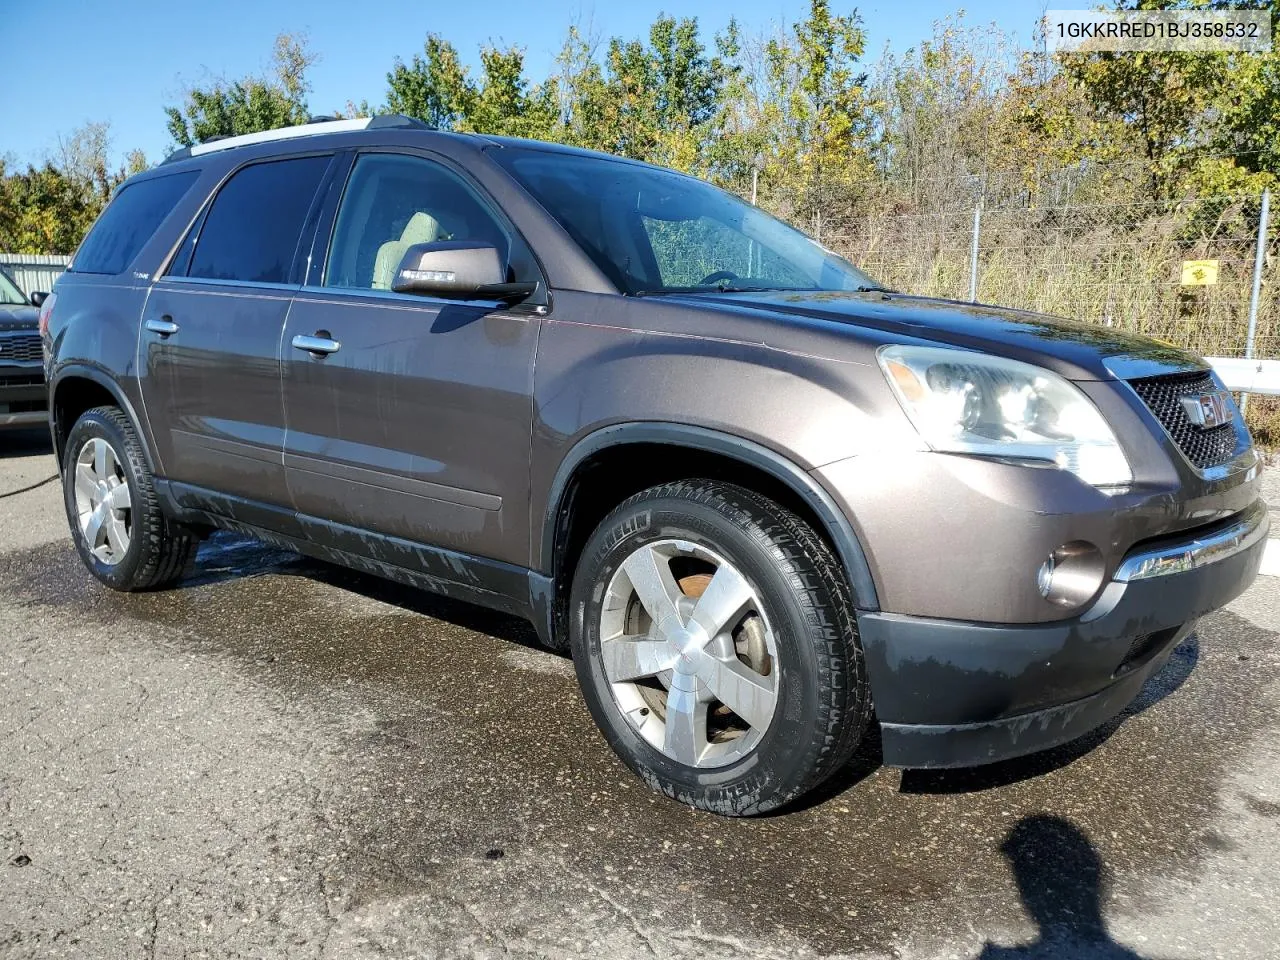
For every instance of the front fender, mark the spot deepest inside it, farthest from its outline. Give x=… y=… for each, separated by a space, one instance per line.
x=799 y=481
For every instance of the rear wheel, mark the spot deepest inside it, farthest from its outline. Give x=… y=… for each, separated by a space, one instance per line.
x=714 y=638
x=116 y=522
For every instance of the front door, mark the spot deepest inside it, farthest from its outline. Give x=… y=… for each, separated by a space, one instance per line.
x=210 y=336
x=407 y=415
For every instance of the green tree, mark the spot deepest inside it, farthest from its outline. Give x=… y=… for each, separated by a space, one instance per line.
x=504 y=103
x=583 y=95
x=688 y=88
x=657 y=100
x=48 y=208
x=250 y=104
x=1248 y=111
x=436 y=88
x=818 y=112
x=934 y=107
x=1196 y=121
x=630 y=100
x=738 y=138
x=42 y=210
x=433 y=87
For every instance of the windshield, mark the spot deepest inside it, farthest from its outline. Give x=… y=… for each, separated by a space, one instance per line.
x=9 y=292
x=653 y=231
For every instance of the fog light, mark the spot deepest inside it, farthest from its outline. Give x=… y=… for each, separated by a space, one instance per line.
x=1071 y=575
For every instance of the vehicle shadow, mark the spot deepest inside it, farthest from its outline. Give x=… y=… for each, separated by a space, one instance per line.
x=1182 y=661
x=229 y=556
x=1060 y=877
x=25 y=442
x=868 y=758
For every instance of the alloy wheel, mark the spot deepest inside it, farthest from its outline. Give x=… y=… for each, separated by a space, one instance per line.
x=689 y=654
x=104 y=506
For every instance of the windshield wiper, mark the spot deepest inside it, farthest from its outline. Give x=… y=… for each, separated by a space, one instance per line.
x=730 y=288
x=718 y=288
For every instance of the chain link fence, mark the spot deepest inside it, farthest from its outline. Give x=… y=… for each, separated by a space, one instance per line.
x=1119 y=265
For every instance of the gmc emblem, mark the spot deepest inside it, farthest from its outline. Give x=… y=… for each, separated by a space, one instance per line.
x=1207 y=410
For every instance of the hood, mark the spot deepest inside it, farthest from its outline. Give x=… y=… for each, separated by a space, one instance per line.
x=15 y=316
x=1079 y=351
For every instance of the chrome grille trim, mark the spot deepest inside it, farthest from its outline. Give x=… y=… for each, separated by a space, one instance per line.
x=1198 y=551
x=22 y=348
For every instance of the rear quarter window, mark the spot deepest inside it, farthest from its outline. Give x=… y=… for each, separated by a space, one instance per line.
x=252 y=229
x=127 y=224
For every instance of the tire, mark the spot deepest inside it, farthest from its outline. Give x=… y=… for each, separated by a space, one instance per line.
x=801 y=647
x=158 y=551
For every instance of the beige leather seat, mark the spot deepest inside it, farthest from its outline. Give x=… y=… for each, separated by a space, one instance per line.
x=421 y=228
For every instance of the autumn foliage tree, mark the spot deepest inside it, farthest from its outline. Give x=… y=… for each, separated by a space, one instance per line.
x=46 y=209
x=231 y=107
x=797 y=115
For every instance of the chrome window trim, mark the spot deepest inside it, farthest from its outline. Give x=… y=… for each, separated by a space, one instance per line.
x=349 y=295
x=212 y=281
x=1198 y=551
x=360 y=296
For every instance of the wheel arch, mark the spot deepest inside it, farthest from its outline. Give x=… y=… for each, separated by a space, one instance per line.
x=76 y=388
x=704 y=446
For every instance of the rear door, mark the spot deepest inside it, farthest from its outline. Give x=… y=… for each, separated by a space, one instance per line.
x=416 y=421
x=211 y=331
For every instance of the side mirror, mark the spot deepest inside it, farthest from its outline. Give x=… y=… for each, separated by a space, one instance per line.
x=458 y=270
x=38 y=297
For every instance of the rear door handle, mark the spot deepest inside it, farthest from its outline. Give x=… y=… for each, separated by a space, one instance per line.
x=164 y=326
x=317 y=345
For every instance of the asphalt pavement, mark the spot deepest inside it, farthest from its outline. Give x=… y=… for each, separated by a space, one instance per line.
x=284 y=759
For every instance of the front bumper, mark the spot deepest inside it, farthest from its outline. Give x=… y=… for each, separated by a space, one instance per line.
x=951 y=693
x=24 y=397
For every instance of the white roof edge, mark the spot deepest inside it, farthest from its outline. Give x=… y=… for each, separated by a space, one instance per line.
x=282 y=133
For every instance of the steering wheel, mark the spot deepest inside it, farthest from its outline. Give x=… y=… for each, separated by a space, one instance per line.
x=716 y=277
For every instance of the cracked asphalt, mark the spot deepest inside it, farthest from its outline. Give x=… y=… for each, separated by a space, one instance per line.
x=285 y=759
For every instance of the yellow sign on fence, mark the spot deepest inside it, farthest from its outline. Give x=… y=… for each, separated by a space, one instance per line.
x=1199 y=273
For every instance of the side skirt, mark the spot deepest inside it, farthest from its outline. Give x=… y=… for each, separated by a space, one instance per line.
x=504 y=587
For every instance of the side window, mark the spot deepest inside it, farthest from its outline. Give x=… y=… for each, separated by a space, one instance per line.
x=129 y=221
x=252 y=229
x=392 y=202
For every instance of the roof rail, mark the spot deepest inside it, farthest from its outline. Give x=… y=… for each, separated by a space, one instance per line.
x=313 y=127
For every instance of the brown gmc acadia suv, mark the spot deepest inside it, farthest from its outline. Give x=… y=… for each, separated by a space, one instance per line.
x=765 y=501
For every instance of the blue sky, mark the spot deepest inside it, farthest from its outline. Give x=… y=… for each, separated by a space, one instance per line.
x=71 y=61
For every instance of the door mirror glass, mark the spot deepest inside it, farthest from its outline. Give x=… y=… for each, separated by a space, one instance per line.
x=457 y=269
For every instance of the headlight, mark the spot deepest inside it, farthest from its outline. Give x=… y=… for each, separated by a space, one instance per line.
x=964 y=402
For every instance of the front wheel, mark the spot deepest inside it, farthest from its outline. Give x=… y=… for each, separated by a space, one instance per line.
x=714 y=638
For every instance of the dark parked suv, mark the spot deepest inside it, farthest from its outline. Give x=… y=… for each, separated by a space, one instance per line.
x=765 y=501
x=23 y=398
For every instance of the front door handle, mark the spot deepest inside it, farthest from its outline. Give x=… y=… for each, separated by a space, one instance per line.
x=320 y=345
x=164 y=326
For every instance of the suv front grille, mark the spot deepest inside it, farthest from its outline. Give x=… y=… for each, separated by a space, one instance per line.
x=20 y=349
x=1162 y=395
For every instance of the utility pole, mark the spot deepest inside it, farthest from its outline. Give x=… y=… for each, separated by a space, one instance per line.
x=973 y=254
